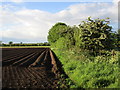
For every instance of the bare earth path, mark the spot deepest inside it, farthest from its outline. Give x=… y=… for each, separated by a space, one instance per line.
x=29 y=68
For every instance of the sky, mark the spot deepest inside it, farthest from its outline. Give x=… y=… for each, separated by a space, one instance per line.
x=30 y=21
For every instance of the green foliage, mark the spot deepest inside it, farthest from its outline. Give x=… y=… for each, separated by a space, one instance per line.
x=118 y=39
x=94 y=35
x=91 y=72
x=57 y=31
x=61 y=36
x=69 y=37
x=88 y=53
x=118 y=31
x=60 y=43
x=65 y=82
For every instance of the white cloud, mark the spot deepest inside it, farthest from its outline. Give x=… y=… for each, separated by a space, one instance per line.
x=26 y=24
x=115 y=1
x=17 y=1
x=74 y=13
x=57 y=0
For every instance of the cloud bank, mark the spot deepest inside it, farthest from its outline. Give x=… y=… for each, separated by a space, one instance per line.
x=33 y=25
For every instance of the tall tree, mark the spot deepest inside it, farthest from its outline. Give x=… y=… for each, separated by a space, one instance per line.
x=94 y=35
x=61 y=35
x=57 y=31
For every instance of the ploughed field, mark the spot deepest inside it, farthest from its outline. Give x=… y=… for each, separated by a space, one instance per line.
x=29 y=68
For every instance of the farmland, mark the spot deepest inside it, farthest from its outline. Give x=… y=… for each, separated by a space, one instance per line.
x=29 y=68
x=89 y=54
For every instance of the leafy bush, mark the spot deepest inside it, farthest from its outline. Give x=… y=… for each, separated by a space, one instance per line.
x=94 y=35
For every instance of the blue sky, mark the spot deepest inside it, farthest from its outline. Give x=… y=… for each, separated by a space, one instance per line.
x=31 y=21
x=48 y=6
x=52 y=7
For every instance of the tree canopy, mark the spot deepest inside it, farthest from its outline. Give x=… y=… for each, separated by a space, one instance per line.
x=91 y=34
x=94 y=34
x=57 y=31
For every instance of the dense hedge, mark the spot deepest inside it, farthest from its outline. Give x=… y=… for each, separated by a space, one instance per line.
x=93 y=35
x=89 y=53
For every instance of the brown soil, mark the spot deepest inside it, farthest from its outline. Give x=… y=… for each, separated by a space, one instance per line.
x=30 y=68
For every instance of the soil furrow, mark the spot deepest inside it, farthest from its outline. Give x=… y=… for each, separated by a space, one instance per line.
x=29 y=68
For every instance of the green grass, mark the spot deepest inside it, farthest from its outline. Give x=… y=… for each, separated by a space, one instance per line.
x=25 y=47
x=87 y=71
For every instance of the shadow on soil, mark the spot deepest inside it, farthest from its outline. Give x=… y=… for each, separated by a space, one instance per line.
x=59 y=64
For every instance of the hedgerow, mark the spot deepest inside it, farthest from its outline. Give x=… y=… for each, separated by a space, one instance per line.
x=89 y=53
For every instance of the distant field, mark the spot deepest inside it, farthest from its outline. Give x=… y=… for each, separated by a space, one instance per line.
x=25 y=47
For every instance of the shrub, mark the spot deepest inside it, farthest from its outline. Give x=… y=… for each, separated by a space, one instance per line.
x=94 y=35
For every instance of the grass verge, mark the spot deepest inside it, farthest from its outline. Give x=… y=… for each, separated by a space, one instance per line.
x=88 y=71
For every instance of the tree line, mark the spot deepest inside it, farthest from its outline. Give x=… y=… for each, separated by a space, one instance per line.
x=92 y=34
x=24 y=44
